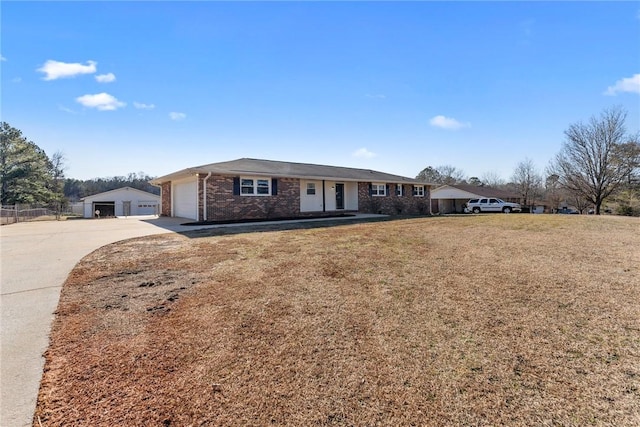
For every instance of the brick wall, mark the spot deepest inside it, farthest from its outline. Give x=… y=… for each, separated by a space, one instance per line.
x=223 y=205
x=391 y=204
x=165 y=203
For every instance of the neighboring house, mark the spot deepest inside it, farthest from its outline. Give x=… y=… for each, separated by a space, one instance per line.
x=261 y=189
x=124 y=201
x=452 y=198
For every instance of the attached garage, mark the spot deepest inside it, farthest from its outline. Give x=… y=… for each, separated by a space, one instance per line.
x=185 y=199
x=124 y=201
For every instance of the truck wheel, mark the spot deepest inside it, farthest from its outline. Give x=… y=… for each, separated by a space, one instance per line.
x=506 y=209
x=476 y=210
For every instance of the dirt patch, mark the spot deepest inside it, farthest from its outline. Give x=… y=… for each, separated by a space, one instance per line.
x=477 y=320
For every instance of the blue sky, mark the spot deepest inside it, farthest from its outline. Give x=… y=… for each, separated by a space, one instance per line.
x=156 y=87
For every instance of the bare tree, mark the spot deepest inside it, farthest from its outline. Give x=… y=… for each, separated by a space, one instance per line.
x=580 y=203
x=553 y=191
x=629 y=153
x=527 y=181
x=492 y=179
x=446 y=174
x=589 y=164
x=56 y=170
x=627 y=198
x=451 y=174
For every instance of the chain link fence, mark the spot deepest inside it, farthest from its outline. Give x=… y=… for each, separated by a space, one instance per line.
x=21 y=213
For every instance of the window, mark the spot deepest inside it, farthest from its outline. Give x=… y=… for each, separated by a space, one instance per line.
x=246 y=186
x=399 y=190
x=255 y=186
x=418 y=190
x=378 y=189
x=263 y=186
x=311 y=188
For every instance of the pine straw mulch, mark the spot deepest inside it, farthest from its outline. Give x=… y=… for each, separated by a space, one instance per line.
x=513 y=320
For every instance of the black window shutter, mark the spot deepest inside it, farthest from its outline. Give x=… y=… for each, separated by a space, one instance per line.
x=387 y=190
x=370 y=190
x=274 y=187
x=236 y=185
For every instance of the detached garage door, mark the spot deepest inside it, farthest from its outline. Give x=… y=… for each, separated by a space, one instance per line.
x=147 y=208
x=184 y=199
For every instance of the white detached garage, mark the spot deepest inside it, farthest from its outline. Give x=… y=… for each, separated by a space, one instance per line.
x=124 y=201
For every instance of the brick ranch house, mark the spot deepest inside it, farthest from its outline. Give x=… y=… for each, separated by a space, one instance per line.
x=263 y=189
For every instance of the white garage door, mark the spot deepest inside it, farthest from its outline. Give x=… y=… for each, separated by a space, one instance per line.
x=147 y=208
x=184 y=200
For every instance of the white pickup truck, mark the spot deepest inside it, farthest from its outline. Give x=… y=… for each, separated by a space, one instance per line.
x=491 y=205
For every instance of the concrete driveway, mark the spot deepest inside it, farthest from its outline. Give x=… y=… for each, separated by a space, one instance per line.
x=36 y=258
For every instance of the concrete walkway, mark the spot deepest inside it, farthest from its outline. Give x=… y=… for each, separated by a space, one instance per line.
x=36 y=258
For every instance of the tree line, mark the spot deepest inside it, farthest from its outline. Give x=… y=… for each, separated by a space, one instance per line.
x=598 y=161
x=75 y=189
x=29 y=176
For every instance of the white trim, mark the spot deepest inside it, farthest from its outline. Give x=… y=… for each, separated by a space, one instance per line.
x=311 y=186
x=377 y=186
x=254 y=186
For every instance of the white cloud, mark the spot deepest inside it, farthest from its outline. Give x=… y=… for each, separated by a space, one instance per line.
x=16 y=80
x=66 y=110
x=627 y=84
x=363 y=153
x=141 y=106
x=57 y=70
x=101 y=101
x=2 y=58
x=448 y=123
x=177 y=116
x=106 y=78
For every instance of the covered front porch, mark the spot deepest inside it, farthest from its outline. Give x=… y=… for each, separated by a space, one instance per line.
x=328 y=196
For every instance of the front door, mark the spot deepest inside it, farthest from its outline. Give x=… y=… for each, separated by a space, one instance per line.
x=126 y=208
x=339 y=196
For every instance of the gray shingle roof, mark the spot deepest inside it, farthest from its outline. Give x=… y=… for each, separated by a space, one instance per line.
x=484 y=191
x=278 y=169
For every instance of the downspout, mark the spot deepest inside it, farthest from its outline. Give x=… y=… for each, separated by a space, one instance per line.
x=197 y=201
x=204 y=194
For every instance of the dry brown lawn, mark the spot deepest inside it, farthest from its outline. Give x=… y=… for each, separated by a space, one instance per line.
x=514 y=320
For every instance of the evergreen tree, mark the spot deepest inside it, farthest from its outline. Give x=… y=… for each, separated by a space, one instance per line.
x=25 y=169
